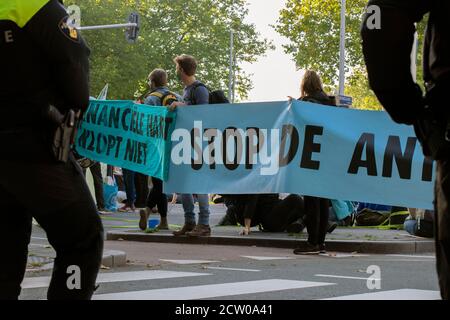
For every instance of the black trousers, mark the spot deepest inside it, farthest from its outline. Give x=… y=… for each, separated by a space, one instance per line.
x=283 y=213
x=57 y=196
x=96 y=171
x=141 y=184
x=316 y=220
x=157 y=197
x=442 y=224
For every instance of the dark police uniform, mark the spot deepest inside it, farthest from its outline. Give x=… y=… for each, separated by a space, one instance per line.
x=387 y=54
x=43 y=61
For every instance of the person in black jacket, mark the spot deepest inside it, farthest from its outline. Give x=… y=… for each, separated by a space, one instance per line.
x=387 y=52
x=44 y=66
x=268 y=211
x=317 y=209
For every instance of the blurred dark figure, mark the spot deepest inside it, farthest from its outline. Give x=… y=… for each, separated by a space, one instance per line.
x=387 y=51
x=44 y=66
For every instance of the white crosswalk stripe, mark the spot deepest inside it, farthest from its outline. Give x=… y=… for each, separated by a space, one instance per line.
x=401 y=294
x=212 y=290
x=261 y=258
x=188 y=261
x=43 y=282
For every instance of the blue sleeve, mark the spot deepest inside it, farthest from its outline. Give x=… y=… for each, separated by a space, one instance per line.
x=152 y=101
x=201 y=95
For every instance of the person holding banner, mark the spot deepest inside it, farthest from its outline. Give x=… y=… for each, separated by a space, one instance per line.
x=317 y=209
x=159 y=95
x=47 y=59
x=387 y=46
x=195 y=93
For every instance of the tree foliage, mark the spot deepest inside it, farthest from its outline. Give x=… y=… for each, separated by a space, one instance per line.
x=313 y=28
x=168 y=28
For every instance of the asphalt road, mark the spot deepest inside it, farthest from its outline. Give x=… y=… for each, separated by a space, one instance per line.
x=158 y=271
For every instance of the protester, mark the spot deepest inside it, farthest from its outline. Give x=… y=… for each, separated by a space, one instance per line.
x=268 y=211
x=195 y=93
x=420 y=223
x=317 y=209
x=159 y=95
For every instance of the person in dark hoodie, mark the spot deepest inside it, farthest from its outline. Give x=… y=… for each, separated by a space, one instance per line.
x=316 y=209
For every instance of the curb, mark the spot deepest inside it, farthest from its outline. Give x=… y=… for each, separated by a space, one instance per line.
x=110 y=259
x=376 y=247
x=114 y=258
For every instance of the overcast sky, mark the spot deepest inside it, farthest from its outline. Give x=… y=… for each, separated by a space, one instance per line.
x=275 y=76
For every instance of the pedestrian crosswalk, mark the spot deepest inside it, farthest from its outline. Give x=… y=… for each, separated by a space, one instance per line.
x=212 y=290
x=216 y=288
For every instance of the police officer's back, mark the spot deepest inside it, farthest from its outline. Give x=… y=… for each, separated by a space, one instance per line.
x=387 y=52
x=43 y=63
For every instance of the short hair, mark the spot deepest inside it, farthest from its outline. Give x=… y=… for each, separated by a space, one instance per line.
x=311 y=84
x=158 y=77
x=187 y=63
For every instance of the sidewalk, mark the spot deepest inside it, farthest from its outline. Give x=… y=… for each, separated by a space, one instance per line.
x=343 y=239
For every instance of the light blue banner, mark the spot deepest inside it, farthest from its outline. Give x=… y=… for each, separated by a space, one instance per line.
x=127 y=135
x=304 y=148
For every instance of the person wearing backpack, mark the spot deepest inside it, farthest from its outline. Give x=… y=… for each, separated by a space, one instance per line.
x=195 y=93
x=159 y=95
x=317 y=209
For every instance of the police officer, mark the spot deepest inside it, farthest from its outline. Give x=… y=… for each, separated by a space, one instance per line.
x=43 y=62
x=387 y=51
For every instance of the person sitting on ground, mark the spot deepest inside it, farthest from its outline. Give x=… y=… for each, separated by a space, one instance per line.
x=420 y=223
x=267 y=211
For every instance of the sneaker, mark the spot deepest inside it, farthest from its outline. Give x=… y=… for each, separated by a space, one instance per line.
x=322 y=248
x=295 y=227
x=200 y=230
x=307 y=249
x=143 y=219
x=186 y=228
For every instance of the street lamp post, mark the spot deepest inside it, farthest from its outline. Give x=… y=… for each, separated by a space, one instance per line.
x=342 y=51
x=231 y=80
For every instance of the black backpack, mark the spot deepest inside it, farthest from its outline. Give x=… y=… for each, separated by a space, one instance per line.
x=215 y=97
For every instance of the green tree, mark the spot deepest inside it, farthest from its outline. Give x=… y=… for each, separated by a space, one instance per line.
x=313 y=28
x=168 y=28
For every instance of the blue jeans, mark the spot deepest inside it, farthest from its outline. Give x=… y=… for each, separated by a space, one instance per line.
x=410 y=226
x=188 y=205
x=130 y=188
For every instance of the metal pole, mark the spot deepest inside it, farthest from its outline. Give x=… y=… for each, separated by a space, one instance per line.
x=342 y=51
x=230 y=84
x=109 y=26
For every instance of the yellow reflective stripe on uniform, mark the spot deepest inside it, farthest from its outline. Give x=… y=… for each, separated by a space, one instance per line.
x=20 y=11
